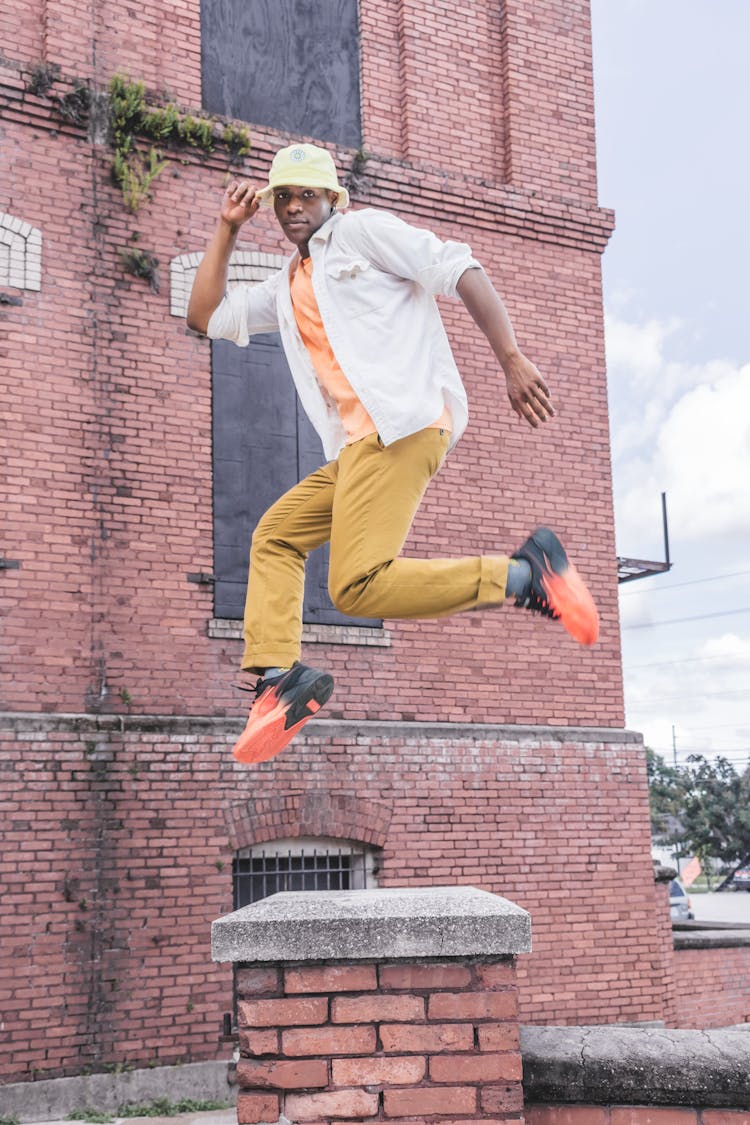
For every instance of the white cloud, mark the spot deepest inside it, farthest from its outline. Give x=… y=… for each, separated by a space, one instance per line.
x=680 y=428
x=698 y=695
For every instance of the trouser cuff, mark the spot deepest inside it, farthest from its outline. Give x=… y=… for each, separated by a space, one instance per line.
x=493 y=579
x=257 y=662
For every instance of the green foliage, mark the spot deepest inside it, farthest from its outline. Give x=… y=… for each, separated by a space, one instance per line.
x=160 y=1107
x=41 y=77
x=356 y=178
x=703 y=808
x=236 y=139
x=132 y=117
x=94 y=1116
x=717 y=810
x=141 y=264
x=666 y=796
x=134 y=175
x=74 y=106
x=164 y=1107
x=8 y=1119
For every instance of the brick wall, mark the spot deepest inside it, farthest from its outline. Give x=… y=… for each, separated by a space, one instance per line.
x=110 y=481
x=119 y=835
x=713 y=986
x=379 y=1040
x=123 y=828
x=110 y=427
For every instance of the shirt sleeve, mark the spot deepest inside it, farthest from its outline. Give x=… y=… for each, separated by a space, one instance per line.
x=411 y=252
x=245 y=311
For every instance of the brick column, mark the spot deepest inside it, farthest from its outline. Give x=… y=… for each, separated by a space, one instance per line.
x=384 y=1005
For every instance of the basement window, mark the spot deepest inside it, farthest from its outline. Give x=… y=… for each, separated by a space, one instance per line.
x=302 y=864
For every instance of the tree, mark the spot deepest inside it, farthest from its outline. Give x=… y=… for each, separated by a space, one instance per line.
x=666 y=795
x=716 y=811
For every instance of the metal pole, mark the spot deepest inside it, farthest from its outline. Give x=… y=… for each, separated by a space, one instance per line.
x=666 y=530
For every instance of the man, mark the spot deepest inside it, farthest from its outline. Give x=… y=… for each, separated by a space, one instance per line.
x=374 y=371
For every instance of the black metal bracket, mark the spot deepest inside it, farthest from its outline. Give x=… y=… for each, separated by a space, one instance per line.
x=628 y=570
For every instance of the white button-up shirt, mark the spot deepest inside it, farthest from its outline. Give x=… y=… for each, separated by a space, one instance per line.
x=375 y=280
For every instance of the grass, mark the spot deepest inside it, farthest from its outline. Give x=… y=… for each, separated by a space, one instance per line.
x=160 y=1107
x=163 y=1107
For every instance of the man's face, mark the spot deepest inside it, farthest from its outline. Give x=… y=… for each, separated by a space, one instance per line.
x=302 y=210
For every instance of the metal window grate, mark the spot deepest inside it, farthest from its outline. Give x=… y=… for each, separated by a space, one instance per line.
x=301 y=865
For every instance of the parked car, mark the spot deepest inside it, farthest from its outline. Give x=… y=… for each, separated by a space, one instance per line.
x=680 y=906
x=741 y=880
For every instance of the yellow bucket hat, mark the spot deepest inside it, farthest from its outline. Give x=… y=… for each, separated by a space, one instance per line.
x=303 y=166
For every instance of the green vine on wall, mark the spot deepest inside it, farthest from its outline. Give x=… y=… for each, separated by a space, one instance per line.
x=131 y=117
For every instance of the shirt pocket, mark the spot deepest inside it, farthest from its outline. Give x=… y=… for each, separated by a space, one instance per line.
x=359 y=289
x=345 y=267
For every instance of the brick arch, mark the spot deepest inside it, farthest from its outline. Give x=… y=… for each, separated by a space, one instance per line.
x=245 y=265
x=20 y=253
x=314 y=812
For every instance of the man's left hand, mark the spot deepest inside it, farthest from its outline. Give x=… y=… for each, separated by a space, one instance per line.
x=528 y=393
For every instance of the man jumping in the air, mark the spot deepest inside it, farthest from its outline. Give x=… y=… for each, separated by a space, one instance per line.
x=374 y=372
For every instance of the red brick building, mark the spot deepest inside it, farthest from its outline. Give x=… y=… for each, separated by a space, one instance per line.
x=127 y=822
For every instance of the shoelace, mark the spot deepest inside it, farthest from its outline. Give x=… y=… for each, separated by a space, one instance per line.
x=256 y=688
x=538 y=603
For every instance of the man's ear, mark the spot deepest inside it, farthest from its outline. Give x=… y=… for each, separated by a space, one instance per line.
x=333 y=199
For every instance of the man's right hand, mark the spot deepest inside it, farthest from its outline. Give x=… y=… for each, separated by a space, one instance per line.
x=239 y=204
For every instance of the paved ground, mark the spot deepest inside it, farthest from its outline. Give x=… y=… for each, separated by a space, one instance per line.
x=205 y=1117
x=727 y=906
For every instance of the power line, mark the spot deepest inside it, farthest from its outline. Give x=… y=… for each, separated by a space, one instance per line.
x=703 y=695
x=681 y=620
x=682 y=660
x=679 y=585
x=712 y=726
x=714 y=750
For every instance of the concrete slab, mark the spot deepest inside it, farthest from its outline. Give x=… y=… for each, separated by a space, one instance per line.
x=373 y=924
x=204 y=1117
x=52 y=1099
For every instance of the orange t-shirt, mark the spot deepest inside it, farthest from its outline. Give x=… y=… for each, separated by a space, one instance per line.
x=336 y=387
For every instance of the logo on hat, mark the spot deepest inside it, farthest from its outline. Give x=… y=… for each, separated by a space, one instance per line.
x=297 y=154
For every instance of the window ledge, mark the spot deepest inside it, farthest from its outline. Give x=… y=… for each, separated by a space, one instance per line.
x=226 y=629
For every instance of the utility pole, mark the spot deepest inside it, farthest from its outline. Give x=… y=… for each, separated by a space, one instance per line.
x=674 y=746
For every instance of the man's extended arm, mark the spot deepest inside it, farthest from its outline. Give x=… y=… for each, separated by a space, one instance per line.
x=210 y=283
x=527 y=391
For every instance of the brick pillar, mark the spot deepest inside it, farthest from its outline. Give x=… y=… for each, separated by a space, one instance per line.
x=384 y=1005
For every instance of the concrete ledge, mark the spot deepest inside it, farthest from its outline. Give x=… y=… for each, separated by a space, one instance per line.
x=319 y=728
x=636 y=1066
x=371 y=925
x=55 y=1098
x=720 y=938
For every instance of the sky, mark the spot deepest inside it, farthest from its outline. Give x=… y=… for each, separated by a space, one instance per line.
x=672 y=89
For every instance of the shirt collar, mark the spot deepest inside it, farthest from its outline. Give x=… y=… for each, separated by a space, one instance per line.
x=323 y=233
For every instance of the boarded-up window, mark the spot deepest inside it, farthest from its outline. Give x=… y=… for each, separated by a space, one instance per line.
x=263 y=444
x=291 y=65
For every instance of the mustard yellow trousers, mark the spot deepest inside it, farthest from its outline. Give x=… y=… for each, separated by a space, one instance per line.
x=364 y=502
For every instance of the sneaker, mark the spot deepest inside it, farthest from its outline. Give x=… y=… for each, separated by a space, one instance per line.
x=557 y=589
x=282 y=707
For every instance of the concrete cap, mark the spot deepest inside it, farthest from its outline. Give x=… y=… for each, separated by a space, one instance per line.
x=371 y=925
x=636 y=1066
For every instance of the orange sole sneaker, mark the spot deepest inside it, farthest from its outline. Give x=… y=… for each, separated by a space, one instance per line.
x=281 y=709
x=557 y=589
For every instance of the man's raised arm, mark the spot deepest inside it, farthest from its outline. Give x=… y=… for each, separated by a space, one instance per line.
x=209 y=286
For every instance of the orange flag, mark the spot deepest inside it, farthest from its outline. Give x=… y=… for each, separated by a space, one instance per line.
x=691 y=871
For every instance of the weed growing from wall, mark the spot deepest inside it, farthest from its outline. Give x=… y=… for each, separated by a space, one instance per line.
x=131 y=118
